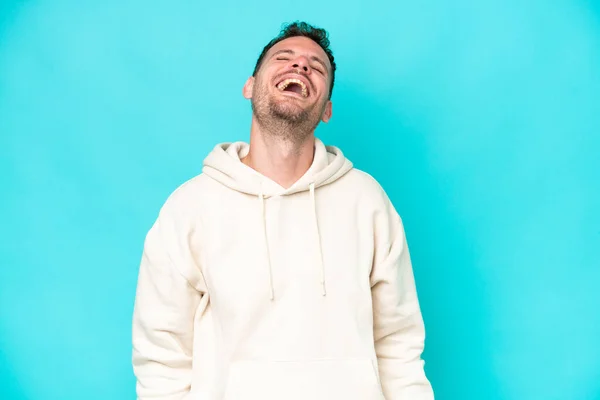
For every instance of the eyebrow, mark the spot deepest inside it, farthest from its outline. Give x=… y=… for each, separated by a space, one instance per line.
x=291 y=52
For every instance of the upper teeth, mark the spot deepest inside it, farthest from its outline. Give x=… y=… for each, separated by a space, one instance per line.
x=287 y=82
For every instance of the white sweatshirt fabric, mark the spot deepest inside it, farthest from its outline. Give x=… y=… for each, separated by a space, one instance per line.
x=250 y=291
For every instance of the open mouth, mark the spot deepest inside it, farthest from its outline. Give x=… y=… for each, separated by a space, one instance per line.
x=294 y=86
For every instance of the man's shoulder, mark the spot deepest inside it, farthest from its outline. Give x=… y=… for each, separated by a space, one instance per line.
x=365 y=183
x=188 y=195
x=371 y=193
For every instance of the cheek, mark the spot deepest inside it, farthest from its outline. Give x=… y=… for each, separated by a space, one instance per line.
x=261 y=86
x=323 y=85
x=269 y=73
x=324 y=93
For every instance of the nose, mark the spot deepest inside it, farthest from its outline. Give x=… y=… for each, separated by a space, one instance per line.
x=302 y=64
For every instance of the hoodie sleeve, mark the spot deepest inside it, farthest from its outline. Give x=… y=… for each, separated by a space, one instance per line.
x=169 y=290
x=398 y=325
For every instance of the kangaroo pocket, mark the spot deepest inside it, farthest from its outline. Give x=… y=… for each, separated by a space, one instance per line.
x=344 y=379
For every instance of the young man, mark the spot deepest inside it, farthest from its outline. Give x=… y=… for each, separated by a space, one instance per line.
x=280 y=272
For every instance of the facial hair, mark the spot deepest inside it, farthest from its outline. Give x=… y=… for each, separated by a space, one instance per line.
x=284 y=119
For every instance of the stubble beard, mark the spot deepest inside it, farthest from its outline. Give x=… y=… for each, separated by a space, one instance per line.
x=284 y=119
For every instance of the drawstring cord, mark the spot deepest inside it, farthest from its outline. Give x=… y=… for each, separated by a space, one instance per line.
x=316 y=219
x=261 y=199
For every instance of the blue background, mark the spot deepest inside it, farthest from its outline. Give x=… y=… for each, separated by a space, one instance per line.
x=480 y=118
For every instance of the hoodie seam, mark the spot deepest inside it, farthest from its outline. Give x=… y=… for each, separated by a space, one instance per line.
x=174 y=265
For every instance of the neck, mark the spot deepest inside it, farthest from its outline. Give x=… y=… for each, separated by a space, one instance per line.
x=277 y=157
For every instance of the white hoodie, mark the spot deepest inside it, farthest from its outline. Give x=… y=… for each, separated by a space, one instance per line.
x=250 y=291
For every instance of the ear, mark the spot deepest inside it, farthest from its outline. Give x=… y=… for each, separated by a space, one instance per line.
x=327 y=113
x=247 y=89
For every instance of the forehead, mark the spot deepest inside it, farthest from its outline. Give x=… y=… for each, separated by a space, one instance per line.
x=301 y=46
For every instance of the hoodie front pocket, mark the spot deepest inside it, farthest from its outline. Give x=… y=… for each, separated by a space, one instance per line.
x=343 y=379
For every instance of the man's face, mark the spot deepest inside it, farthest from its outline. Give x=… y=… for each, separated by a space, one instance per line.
x=292 y=85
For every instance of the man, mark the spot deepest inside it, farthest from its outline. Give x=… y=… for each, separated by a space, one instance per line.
x=280 y=272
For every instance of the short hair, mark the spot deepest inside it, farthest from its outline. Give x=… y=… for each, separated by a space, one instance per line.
x=297 y=28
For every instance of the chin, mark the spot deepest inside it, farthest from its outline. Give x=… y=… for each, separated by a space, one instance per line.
x=287 y=110
x=288 y=116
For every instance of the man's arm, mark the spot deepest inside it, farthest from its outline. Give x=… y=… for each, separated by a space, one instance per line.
x=398 y=325
x=169 y=291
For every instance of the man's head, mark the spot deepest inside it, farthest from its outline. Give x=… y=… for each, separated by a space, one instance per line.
x=290 y=88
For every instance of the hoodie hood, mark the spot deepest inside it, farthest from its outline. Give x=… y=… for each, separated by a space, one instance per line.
x=224 y=165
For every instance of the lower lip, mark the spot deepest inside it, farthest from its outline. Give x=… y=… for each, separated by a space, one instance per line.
x=294 y=94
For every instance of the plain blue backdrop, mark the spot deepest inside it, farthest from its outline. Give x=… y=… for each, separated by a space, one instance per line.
x=480 y=118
